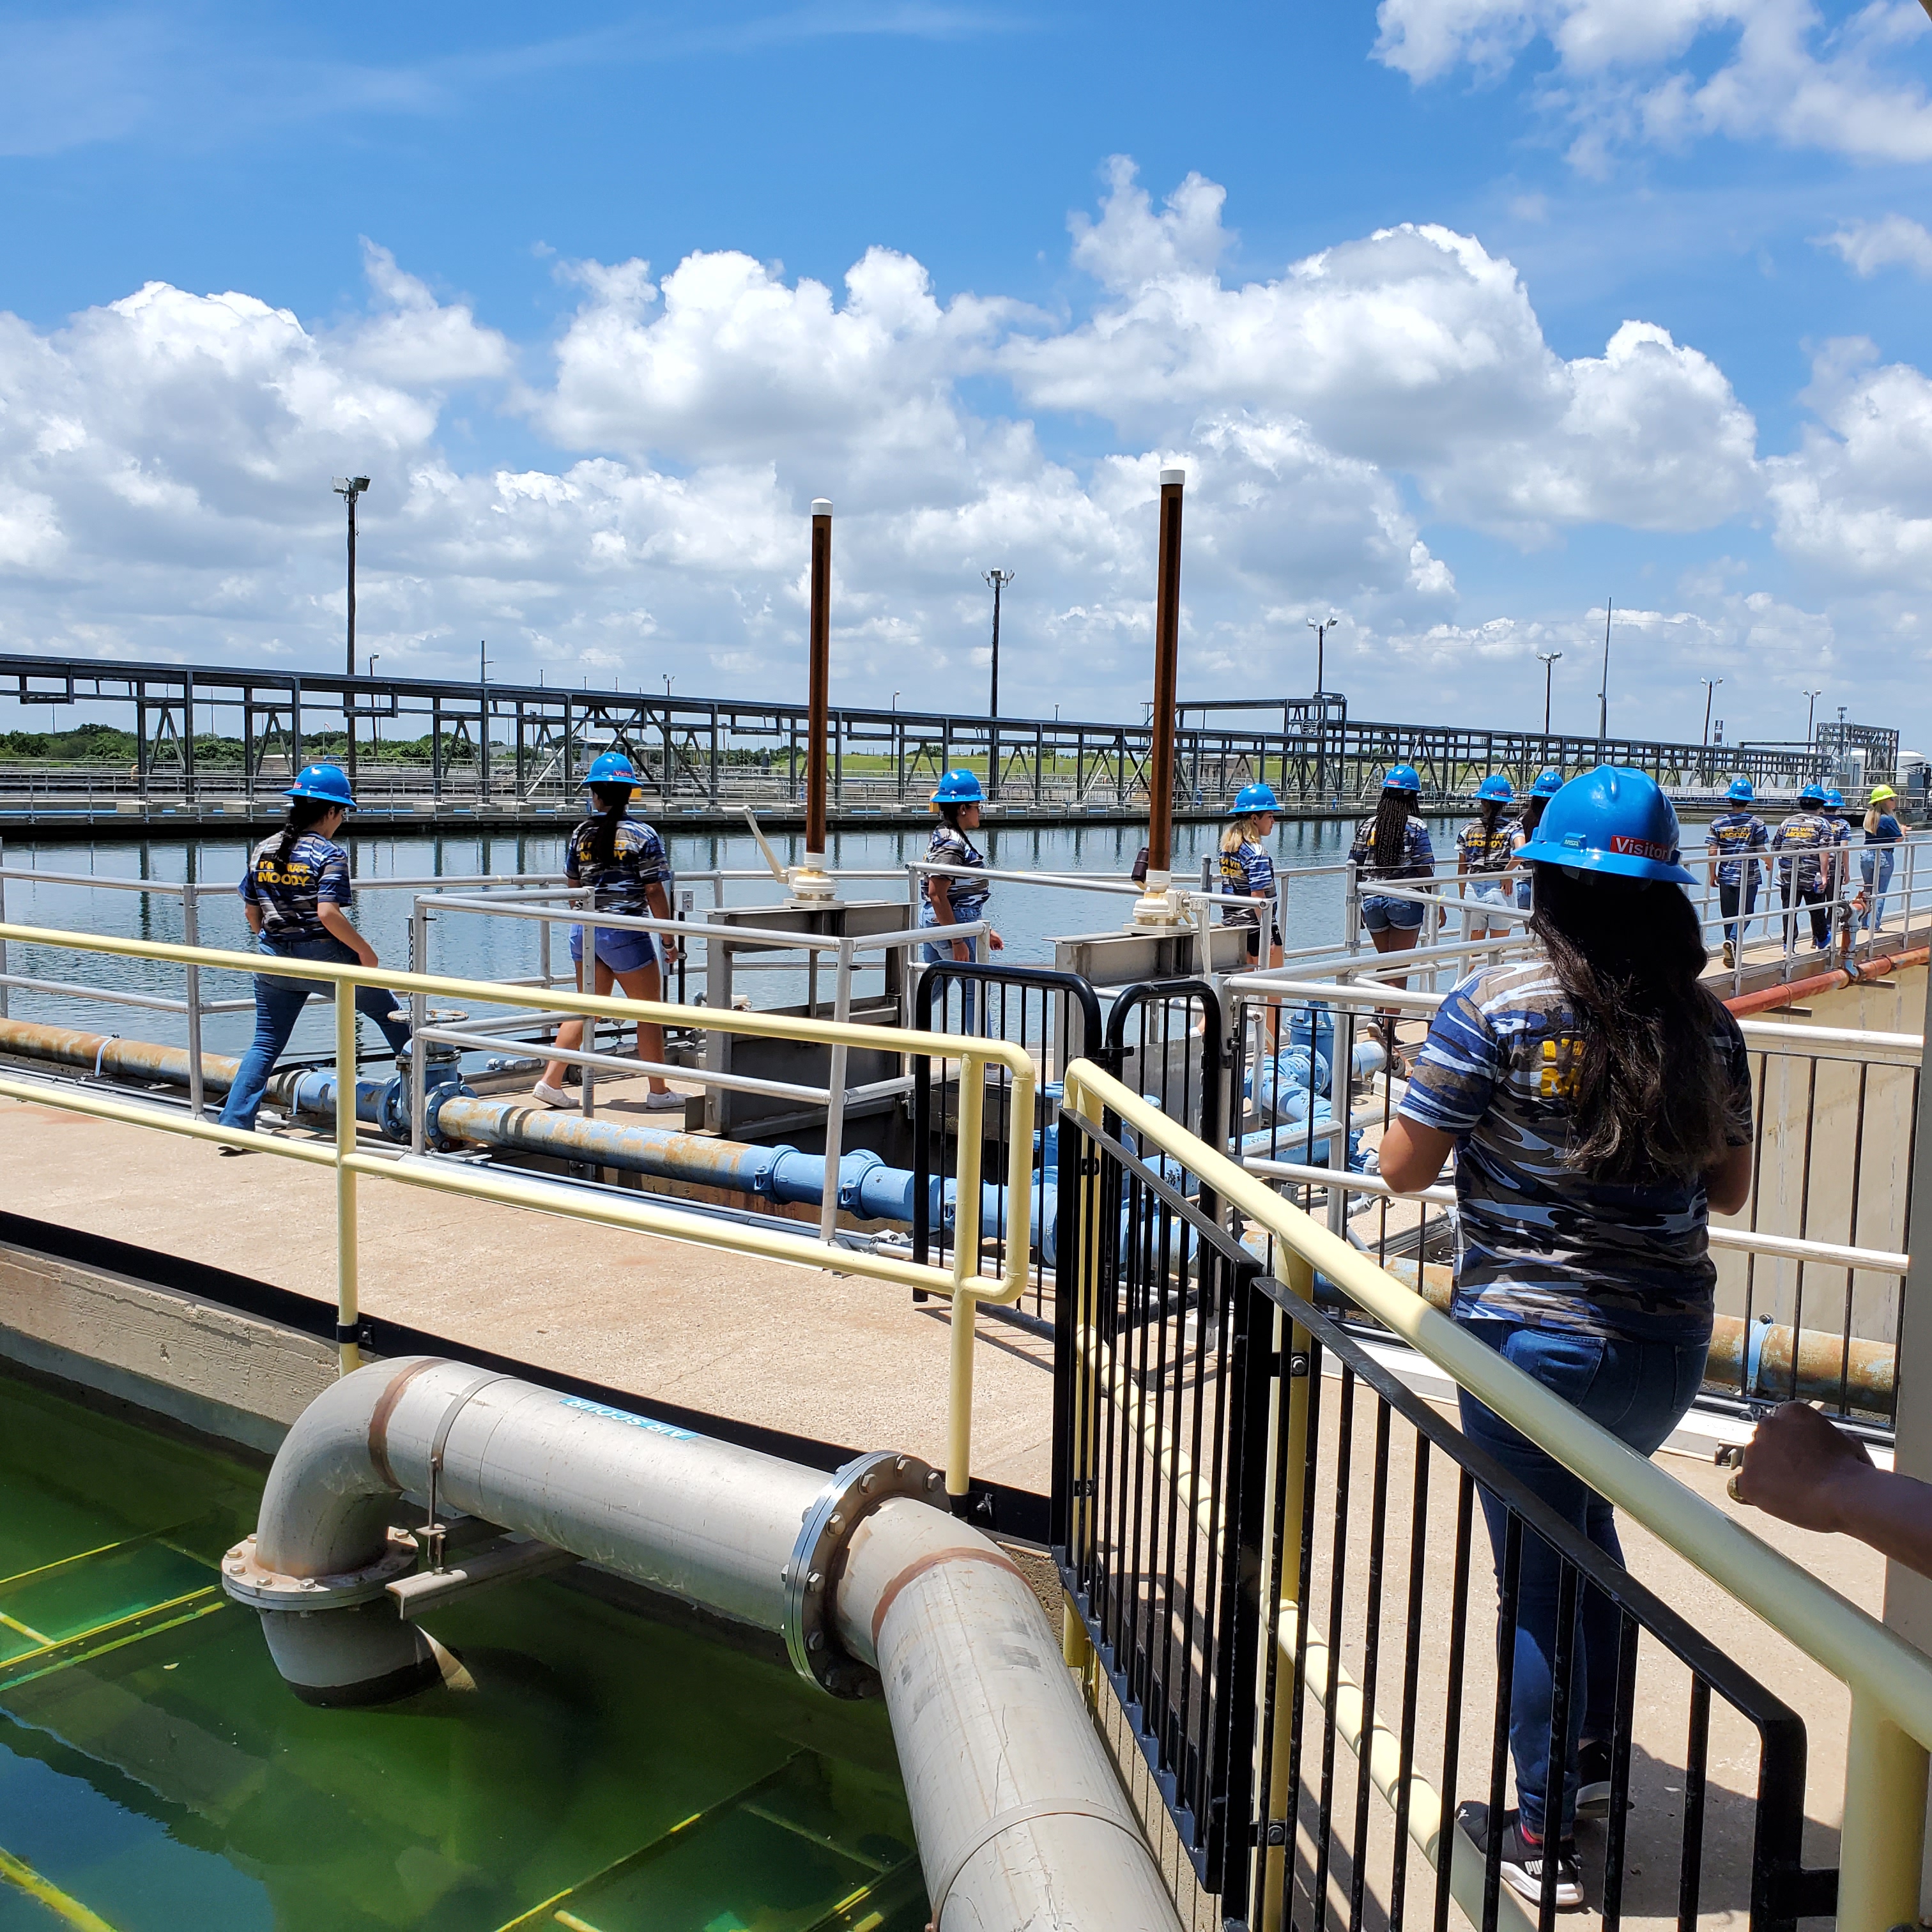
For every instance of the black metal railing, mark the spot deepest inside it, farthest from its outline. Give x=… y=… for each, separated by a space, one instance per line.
x=1055 y=1017
x=1270 y=1543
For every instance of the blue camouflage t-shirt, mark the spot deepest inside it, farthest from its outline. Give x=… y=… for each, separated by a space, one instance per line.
x=966 y=897
x=292 y=891
x=1735 y=835
x=1247 y=869
x=1537 y=1242
x=638 y=860
x=1418 y=855
x=1485 y=848
x=1803 y=837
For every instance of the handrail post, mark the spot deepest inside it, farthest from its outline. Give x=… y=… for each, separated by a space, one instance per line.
x=191 y=936
x=835 y=1098
x=965 y=1267
x=419 y=1019
x=1881 y=1842
x=1297 y=1276
x=349 y=1356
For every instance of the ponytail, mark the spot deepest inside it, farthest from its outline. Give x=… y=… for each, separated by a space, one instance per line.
x=1532 y=813
x=1873 y=815
x=303 y=814
x=1650 y=1094
x=612 y=801
x=1240 y=832
x=1488 y=811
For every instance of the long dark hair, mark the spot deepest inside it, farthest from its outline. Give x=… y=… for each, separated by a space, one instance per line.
x=1650 y=1092
x=612 y=801
x=1389 y=839
x=1532 y=813
x=303 y=814
x=1488 y=811
x=950 y=811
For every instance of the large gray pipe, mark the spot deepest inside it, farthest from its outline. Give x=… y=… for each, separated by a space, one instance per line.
x=1020 y=1819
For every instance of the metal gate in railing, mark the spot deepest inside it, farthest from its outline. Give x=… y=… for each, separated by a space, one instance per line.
x=1270 y=1543
x=1055 y=1017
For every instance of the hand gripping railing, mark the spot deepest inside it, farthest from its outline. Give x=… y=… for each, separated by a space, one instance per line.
x=1890 y=1682
x=961 y=1280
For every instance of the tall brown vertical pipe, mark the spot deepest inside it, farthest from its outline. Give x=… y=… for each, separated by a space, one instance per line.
x=1155 y=906
x=811 y=881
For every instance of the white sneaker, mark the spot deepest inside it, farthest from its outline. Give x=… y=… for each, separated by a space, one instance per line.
x=545 y=1095
x=662 y=1103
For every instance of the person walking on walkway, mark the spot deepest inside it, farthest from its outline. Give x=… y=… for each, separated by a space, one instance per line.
x=1548 y=784
x=1484 y=850
x=1883 y=830
x=950 y=898
x=295 y=897
x=1394 y=845
x=623 y=861
x=1247 y=869
x=1598 y=1101
x=1732 y=839
x=1806 y=838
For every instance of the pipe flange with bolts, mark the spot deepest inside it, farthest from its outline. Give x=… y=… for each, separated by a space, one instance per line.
x=245 y=1578
x=851 y=1495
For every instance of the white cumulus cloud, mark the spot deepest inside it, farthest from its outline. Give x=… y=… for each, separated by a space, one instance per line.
x=1894 y=241
x=1671 y=71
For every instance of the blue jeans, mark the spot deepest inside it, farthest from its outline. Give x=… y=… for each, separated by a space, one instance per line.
x=941 y=953
x=1875 y=865
x=1637 y=1390
x=278 y=1005
x=1730 y=896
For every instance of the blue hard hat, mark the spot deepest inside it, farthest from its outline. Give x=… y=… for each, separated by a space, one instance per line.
x=1254 y=798
x=1835 y=798
x=1612 y=820
x=1741 y=791
x=1812 y=794
x=960 y=787
x=1496 y=787
x=328 y=783
x=609 y=768
x=1402 y=777
x=1548 y=784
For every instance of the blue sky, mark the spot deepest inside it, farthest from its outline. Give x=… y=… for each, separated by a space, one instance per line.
x=1446 y=456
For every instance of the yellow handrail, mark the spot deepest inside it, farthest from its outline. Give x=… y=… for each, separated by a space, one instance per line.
x=961 y=1280
x=1890 y=1681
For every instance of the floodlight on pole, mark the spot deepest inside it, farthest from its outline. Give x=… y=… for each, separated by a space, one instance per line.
x=1811 y=698
x=1320 y=630
x=1546 y=659
x=1710 y=685
x=999 y=579
x=349 y=488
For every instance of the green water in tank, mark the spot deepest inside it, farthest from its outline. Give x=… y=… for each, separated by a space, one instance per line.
x=608 y=1770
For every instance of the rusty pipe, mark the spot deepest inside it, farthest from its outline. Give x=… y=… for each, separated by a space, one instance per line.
x=104 y=1054
x=1752 y=1359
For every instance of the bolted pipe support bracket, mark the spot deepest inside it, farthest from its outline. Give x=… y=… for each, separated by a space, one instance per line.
x=848 y=1497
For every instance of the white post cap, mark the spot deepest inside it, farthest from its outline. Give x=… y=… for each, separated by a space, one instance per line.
x=821 y=506
x=1168 y=476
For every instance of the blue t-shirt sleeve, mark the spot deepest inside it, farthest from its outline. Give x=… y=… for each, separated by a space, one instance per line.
x=1738 y=1121
x=247 y=888
x=647 y=857
x=332 y=885
x=1420 y=850
x=1455 y=1073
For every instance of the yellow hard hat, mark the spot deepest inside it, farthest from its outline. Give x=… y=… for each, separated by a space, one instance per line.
x=1881 y=793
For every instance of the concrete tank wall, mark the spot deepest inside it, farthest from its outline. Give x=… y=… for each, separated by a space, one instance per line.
x=1822 y=1176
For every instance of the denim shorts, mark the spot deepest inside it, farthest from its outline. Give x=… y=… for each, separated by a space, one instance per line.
x=1380 y=914
x=618 y=948
x=1491 y=892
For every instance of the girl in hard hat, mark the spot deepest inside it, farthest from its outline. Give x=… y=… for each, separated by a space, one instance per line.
x=1394 y=845
x=624 y=863
x=1484 y=848
x=950 y=899
x=1733 y=839
x=1548 y=784
x=1247 y=869
x=1807 y=839
x=1884 y=829
x=295 y=895
x=1598 y=1100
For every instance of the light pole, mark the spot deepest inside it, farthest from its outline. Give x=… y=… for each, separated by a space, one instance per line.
x=896 y=700
x=375 y=723
x=1546 y=659
x=349 y=488
x=1603 y=690
x=482 y=721
x=1811 y=698
x=1710 y=685
x=1321 y=631
x=999 y=579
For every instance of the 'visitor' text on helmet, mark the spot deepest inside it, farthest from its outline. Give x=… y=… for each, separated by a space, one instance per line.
x=1496 y=787
x=1402 y=778
x=611 y=768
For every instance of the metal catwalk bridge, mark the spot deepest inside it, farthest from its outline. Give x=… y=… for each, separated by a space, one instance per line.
x=209 y=740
